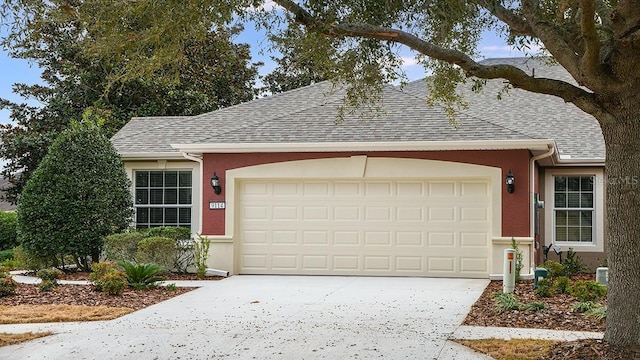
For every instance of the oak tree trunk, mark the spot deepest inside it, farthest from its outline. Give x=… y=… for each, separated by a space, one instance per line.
x=622 y=140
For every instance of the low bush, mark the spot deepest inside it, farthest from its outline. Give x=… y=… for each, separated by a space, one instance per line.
x=533 y=306
x=506 y=302
x=8 y=230
x=113 y=282
x=157 y=250
x=201 y=254
x=554 y=268
x=123 y=246
x=141 y=276
x=545 y=288
x=572 y=264
x=49 y=278
x=561 y=284
x=108 y=278
x=171 y=232
x=7 y=284
x=47 y=285
x=598 y=313
x=51 y=274
x=6 y=255
x=584 y=306
x=587 y=290
x=28 y=261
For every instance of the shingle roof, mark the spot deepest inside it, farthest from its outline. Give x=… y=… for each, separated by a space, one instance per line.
x=308 y=115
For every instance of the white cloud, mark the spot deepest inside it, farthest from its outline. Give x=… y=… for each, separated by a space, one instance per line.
x=267 y=6
x=408 y=61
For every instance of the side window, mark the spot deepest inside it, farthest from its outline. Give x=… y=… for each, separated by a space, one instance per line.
x=574 y=210
x=163 y=198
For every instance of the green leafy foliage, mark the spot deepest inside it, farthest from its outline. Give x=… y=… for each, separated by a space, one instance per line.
x=561 y=284
x=554 y=268
x=7 y=284
x=587 y=290
x=157 y=250
x=545 y=288
x=183 y=251
x=6 y=255
x=108 y=278
x=572 y=264
x=584 y=306
x=508 y=302
x=141 y=276
x=78 y=195
x=8 y=230
x=598 y=313
x=51 y=274
x=518 y=265
x=533 y=306
x=47 y=285
x=113 y=282
x=172 y=232
x=201 y=254
x=212 y=72
x=30 y=261
x=122 y=246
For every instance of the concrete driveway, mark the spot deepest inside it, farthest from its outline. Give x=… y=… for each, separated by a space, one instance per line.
x=276 y=317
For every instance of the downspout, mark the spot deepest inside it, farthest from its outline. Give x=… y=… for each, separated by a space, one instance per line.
x=198 y=159
x=532 y=220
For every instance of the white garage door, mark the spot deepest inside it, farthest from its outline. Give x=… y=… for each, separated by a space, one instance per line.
x=365 y=227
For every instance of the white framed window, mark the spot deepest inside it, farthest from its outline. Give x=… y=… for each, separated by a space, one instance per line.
x=575 y=209
x=163 y=198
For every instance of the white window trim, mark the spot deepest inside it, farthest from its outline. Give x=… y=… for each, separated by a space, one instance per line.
x=196 y=203
x=598 y=225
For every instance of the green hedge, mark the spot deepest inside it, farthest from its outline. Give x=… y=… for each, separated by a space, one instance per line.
x=122 y=247
x=157 y=250
x=8 y=233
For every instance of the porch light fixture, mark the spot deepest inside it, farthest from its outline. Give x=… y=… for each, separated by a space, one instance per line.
x=215 y=184
x=510 y=180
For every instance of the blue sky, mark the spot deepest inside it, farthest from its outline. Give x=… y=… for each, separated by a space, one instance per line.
x=22 y=71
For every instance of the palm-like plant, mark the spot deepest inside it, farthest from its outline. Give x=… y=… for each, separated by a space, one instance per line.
x=141 y=276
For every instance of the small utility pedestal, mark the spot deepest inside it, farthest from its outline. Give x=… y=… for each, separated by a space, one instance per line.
x=509 y=271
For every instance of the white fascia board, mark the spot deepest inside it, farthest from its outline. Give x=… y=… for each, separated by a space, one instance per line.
x=533 y=145
x=152 y=156
x=580 y=162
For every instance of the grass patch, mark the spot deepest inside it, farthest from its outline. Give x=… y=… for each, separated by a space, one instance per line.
x=12 y=339
x=22 y=314
x=514 y=349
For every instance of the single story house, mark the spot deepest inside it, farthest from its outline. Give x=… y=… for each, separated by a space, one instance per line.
x=403 y=193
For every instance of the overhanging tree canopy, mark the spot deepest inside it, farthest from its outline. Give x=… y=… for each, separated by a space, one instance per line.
x=596 y=41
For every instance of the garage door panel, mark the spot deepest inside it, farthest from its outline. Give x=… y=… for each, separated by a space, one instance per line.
x=408 y=228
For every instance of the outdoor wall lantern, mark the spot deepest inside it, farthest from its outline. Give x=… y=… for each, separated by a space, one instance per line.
x=510 y=180
x=215 y=184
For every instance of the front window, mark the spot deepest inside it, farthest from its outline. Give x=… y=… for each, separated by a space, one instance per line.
x=163 y=198
x=574 y=209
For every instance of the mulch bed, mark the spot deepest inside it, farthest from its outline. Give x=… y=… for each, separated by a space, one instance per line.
x=28 y=294
x=558 y=313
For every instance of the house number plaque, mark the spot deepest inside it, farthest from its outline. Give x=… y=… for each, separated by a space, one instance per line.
x=217 y=205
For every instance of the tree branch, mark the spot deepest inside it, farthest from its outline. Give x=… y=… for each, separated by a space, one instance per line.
x=518 y=25
x=552 y=39
x=590 y=61
x=516 y=77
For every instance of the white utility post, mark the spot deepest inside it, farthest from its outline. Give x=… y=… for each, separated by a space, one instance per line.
x=509 y=271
